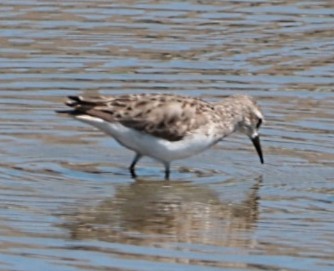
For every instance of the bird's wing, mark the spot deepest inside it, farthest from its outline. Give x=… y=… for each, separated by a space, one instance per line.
x=167 y=116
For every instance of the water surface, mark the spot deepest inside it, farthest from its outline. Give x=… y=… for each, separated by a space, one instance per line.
x=67 y=201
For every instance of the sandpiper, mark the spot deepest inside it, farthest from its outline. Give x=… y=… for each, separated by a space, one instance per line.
x=168 y=127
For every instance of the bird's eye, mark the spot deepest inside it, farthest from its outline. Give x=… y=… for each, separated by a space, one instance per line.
x=258 y=123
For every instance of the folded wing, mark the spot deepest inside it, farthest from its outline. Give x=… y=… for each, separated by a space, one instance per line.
x=166 y=116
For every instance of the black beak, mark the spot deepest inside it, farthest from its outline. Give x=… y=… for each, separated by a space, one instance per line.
x=257 y=145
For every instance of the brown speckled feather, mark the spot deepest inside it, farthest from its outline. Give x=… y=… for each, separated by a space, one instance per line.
x=167 y=116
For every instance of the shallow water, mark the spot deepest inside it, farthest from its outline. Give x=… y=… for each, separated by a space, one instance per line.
x=67 y=201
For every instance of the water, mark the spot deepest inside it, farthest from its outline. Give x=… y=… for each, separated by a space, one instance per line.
x=66 y=200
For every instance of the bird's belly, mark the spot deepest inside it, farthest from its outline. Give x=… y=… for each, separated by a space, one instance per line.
x=158 y=148
x=167 y=151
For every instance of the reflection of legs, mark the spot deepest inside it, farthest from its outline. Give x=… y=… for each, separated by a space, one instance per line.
x=167 y=165
x=133 y=165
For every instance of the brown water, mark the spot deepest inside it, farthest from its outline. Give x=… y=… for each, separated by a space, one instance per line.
x=66 y=200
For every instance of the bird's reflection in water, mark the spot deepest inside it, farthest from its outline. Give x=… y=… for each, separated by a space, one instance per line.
x=154 y=211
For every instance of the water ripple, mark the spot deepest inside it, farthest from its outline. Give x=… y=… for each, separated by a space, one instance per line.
x=67 y=202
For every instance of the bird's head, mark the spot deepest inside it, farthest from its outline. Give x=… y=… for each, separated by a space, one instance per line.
x=250 y=120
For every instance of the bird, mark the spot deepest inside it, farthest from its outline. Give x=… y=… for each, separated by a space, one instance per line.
x=168 y=127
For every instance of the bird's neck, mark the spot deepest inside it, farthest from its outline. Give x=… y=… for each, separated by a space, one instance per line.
x=230 y=116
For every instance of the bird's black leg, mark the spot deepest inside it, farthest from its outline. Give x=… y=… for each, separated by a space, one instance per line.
x=133 y=165
x=167 y=171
